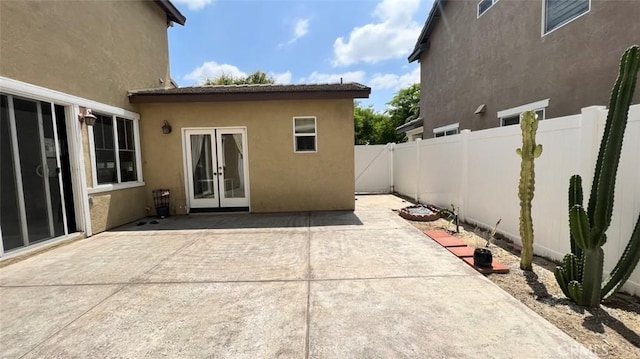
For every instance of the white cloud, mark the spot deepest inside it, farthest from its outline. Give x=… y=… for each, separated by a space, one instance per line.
x=282 y=78
x=194 y=4
x=394 y=81
x=300 y=29
x=392 y=36
x=211 y=70
x=323 y=78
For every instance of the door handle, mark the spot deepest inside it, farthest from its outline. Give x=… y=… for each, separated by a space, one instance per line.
x=39 y=171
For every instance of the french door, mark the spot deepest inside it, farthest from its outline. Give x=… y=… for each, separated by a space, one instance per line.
x=32 y=197
x=216 y=167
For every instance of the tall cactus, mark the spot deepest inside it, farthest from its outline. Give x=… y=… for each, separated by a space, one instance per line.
x=580 y=275
x=529 y=152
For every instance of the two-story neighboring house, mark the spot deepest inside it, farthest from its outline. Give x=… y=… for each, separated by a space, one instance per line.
x=484 y=62
x=62 y=65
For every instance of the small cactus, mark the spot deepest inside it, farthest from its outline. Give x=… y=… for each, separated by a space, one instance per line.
x=529 y=151
x=580 y=275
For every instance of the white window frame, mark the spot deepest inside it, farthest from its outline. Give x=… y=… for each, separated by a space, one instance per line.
x=414 y=134
x=544 y=19
x=314 y=134
x=535 y=106
x=107 y=187
x=447 y=128
x=478 y=8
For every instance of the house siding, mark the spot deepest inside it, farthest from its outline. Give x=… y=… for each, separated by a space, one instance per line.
x=500 y=59
x=279 y=179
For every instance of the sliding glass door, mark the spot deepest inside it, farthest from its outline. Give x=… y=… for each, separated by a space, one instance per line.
x=32 y=194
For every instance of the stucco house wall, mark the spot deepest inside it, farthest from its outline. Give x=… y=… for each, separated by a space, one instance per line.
x=502 y=60
x=279 y=179
x=96 y=50
x=92 y=49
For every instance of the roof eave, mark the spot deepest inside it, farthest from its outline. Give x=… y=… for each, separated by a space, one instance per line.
x=173 y=14
x=255 y=96
x=423 y=39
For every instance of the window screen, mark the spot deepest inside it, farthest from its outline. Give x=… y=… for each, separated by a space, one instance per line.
x=558 y=12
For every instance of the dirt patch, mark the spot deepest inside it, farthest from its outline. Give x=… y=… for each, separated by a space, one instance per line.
x=612 y=331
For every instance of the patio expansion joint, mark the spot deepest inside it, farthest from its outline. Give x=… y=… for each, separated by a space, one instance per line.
x=257 y=281
x=308 y=279
x=118 y=290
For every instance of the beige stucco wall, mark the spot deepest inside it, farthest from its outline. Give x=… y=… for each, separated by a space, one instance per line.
x=98 y=50
x=93 y=49
x=111 y=209
x=280 y=180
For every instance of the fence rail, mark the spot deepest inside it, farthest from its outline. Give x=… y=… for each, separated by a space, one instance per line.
x=479 y=172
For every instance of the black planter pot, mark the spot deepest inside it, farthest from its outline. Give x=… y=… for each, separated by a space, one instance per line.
x=482 y=257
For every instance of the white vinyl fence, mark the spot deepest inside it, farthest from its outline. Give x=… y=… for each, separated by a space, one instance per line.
x=479 y=173
x=374 y=169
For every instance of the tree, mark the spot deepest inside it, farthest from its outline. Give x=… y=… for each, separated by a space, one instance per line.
x=375 y=128
x=365 y=119
x=403 y=107
x=257 y=77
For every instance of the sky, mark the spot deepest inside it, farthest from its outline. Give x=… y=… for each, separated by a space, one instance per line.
x=298 y=41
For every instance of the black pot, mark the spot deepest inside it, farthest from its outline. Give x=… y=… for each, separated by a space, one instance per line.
x=482 y=258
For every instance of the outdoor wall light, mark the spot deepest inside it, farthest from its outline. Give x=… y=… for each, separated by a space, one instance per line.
x=166 y=128
x=481 y=109
x=87 y=117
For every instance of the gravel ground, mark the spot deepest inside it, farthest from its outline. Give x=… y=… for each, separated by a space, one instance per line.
x=612 y=331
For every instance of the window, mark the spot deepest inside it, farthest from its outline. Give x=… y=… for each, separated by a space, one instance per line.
x=511 y=116
x=557 y=13
x=447 y=130
x=515 y=119
x=304 y=134
x=484 y=5
x=114 y=145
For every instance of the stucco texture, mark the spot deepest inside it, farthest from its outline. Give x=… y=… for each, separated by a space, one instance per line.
x=93 y=49
x=279 y=179
x=111 y=209
x=502 y=60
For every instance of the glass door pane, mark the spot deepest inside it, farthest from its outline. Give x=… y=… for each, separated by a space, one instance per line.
x=33 y=170
x=51 y=170
x=9 y=210
x=202 y=167
x=232 y=165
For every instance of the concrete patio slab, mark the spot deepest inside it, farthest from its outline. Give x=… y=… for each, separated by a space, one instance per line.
x=357 y=220
x=103 y=259
x=324 y=285
x=377 y=201
x=237 y=257
x=443 y=317
x=215 y=320
x=221 y=222
x=379 y=254
x=30 y=315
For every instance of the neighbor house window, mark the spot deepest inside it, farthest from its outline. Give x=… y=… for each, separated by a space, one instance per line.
x=304 y=134
x=484 y=5
x=447 y=130
x=512 y=116
x=115 y=153
x=559 y=12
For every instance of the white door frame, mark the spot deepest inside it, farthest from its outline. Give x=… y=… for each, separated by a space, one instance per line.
x=46 y=171
x=207 y=202
x=186 y=159
x=72 y=105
